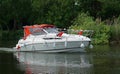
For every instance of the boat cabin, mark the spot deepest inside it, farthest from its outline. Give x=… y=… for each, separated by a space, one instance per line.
x=41 y=29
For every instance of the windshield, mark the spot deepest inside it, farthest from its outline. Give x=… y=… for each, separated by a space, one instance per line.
x=51 y=30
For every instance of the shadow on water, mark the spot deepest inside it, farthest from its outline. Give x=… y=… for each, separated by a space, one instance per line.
x=59 y=63
x=106 y=59
x=9 y=64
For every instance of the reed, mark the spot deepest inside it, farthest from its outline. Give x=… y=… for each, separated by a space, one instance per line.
x=115 y=33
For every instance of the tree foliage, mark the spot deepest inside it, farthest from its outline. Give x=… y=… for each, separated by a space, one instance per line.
x=16 y=13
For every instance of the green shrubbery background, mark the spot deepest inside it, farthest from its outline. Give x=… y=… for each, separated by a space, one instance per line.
x=104 y=33
x=101 y=16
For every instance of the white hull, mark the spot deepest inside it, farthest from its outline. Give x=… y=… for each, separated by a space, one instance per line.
x=73 y=46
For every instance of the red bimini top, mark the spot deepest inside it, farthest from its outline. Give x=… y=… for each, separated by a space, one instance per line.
x=28 y=29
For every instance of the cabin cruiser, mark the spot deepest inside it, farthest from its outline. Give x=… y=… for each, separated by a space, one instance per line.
x=47 y=38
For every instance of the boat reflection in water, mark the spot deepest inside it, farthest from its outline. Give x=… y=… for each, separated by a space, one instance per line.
x=55 y=63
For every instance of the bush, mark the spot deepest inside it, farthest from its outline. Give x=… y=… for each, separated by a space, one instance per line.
x=11 y=35
x=102 y=34
x=101 y=30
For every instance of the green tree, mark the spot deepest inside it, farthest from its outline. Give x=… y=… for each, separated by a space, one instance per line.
x=110 y=9
x=14 y=12
x=58 y=12
x=93 y=7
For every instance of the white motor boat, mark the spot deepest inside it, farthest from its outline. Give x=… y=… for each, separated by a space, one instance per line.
x=47 y=38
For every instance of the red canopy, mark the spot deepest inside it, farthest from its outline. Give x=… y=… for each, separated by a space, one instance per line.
x=40 y=26
x=27 y=28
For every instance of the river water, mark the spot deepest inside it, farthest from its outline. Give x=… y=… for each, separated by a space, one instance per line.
x=106 y=60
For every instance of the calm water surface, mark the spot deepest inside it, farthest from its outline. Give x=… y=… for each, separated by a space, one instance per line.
x=100 y=62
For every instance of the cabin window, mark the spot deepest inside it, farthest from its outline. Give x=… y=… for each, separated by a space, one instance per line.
x=37 y=31
x=51 y=30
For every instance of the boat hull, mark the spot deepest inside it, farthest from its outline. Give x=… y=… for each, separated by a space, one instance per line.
x=70 y=46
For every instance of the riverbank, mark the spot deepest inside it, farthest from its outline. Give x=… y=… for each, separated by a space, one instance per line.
x=96 y=40
x=115 y=42
x=104 y=49
x=10 y=35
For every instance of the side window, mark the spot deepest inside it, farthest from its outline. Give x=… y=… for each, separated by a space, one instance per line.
x=42 y=32
x=38 y=31
x=51 y=30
